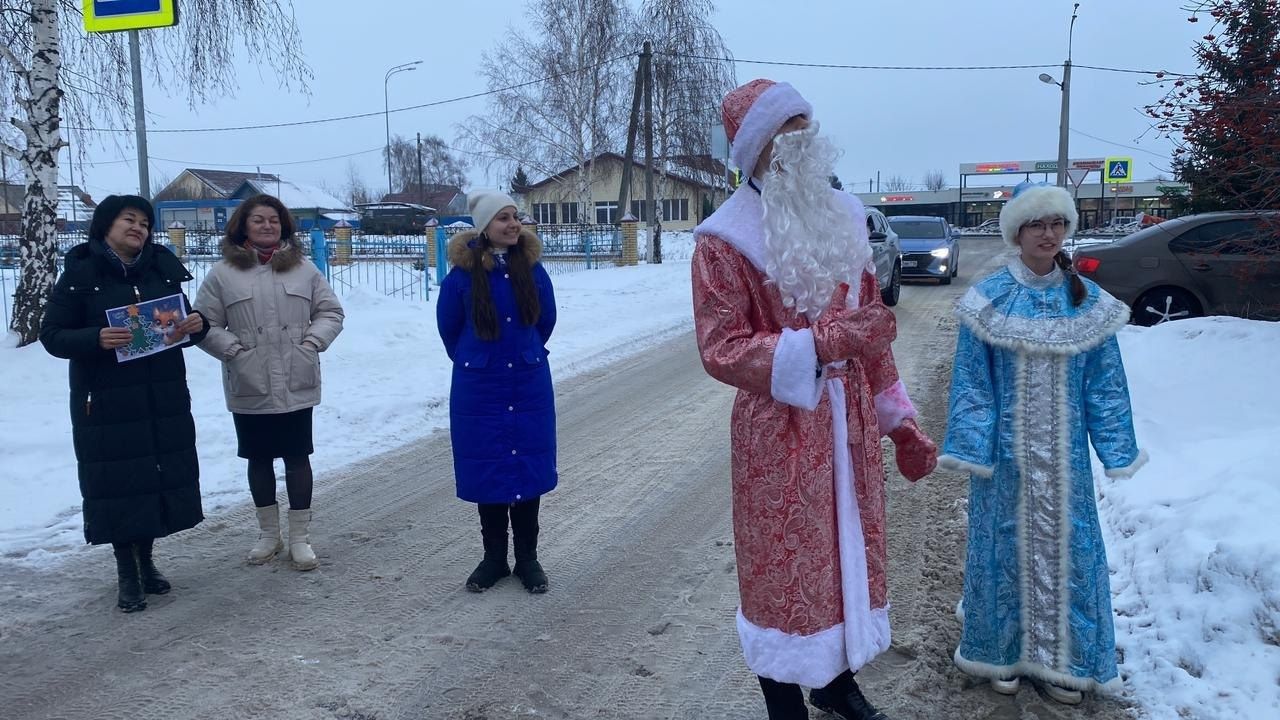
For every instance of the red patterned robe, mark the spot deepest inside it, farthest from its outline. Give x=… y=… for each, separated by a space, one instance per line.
x=808 y=483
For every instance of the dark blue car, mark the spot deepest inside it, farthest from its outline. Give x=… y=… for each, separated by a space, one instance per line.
x=929 y=247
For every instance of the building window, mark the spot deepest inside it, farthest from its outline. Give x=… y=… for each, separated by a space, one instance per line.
x=569 y=213
x=640 y=209
x=675 y=209
x=606 y=212
x=544 y=213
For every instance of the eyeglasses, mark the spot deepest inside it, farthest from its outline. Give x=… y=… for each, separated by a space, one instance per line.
x=1039 y=226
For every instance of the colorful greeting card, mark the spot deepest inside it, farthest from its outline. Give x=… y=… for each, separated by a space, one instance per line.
x=154 y=325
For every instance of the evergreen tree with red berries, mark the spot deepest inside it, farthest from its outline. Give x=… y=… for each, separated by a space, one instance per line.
x=1225 y=120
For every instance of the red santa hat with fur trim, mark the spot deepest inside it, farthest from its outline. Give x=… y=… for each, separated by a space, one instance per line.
x=753 y=114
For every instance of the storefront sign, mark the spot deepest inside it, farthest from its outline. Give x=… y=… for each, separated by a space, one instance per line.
x=1006 y=167
x=1027 y=166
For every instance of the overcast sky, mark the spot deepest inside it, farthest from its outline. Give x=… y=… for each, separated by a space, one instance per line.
x=892 y=122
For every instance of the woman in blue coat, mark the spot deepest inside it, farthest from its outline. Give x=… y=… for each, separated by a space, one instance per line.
x=1038 y=377
x=495 y=314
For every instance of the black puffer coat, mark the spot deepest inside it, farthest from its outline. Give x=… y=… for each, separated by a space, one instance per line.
x=131 y=422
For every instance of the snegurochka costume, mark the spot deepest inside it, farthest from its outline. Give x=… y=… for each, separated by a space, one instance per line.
x=1036 y=379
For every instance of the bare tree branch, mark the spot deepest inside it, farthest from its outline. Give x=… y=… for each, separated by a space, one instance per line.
x=196 y=58
x=570 y=119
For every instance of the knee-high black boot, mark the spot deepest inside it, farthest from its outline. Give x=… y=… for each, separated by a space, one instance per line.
x=130 y=597
x=524 y=536
x=784 y=701
x=844 y=698
x=153 y=583
x=493 y=531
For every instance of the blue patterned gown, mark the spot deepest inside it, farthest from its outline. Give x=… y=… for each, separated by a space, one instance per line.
x=1035 y=380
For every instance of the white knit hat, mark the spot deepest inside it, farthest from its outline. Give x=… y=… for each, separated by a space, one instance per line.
x=1036 y=201
x=485 y=204
x=754 y=113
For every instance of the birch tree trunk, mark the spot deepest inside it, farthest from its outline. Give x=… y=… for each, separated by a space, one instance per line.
x=41 y=104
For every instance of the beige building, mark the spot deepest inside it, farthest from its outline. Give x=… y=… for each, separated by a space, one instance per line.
x=692 y=187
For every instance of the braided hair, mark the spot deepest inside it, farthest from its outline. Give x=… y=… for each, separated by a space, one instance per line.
x=1078 y=291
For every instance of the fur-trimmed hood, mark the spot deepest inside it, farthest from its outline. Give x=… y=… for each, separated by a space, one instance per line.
x=288 y=257
x=460 y=254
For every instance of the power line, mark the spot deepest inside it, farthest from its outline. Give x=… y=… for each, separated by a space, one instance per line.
x=862 y=67
x=194 y=163
x=1110 y=142
x=836 y=66
x=1164 y=73
x=358 y=116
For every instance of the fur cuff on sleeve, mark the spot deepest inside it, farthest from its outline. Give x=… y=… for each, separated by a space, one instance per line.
x=952 y=462
x=794 y=377
x=893 y=407
x=1131 y=468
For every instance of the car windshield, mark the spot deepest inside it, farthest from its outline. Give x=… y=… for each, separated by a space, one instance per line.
x=917 y=228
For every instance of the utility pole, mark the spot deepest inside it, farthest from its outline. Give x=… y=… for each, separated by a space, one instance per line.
x=139 y=115
x=629 y=158
x=420 y=190
x=1064 y=121
x=655 y=230
x=71 y=170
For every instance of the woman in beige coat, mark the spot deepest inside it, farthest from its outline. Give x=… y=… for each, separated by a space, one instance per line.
x=271 y=313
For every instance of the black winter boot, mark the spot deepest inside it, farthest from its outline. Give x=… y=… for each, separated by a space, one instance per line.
x=784 y=701
x=493 y=531
x=153 y=583
x=842 y=697
x=524 y=535
x=130 y=597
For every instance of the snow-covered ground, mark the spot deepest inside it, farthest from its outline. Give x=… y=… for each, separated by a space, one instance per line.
x=386 y=382
x=1193 y=540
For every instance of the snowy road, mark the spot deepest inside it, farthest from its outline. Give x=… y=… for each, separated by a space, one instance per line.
x=637 y=542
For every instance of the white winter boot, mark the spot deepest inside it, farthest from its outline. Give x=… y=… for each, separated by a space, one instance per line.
x=304 y=558
x=269 y=540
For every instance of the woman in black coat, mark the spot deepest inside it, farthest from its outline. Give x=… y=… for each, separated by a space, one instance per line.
x=135 y=440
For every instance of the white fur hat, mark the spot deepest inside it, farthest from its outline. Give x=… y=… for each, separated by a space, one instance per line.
x=753 y=114
x=485 y=204
x=1034 y=201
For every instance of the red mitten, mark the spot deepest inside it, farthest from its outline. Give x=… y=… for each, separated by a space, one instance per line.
x=843 y=334
x=916 y=454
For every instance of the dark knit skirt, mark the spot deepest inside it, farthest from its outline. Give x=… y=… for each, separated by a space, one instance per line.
x=273 y=436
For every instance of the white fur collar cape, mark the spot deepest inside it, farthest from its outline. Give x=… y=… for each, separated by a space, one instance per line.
x=1017 y=310
x=740 y=222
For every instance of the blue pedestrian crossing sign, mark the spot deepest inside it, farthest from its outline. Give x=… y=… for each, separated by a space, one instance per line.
x=117 y=15
x=1119 y=170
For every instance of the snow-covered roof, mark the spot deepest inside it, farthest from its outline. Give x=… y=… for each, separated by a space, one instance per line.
x=296 y=195
x=72 y=207
x=336 y=216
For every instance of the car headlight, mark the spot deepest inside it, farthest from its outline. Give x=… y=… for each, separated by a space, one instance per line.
x=940 y=252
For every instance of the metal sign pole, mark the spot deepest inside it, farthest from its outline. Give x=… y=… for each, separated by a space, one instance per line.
x=139 y=115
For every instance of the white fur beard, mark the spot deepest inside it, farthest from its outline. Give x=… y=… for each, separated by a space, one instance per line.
x=812 y=242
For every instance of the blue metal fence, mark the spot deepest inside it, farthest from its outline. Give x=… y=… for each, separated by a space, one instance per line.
x=394 y=265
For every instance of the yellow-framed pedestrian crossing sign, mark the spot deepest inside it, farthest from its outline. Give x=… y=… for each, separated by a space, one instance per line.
x=117 y=15
x=1119 y=170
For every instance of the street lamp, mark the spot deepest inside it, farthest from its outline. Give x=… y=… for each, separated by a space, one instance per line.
x=386 y=109
x=1064 y=124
